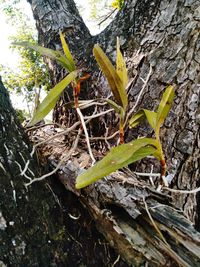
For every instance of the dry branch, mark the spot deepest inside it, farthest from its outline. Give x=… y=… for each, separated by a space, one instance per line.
x=117 y=205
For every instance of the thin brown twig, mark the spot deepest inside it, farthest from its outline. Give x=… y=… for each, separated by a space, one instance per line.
x=154 y=224
x=107 y=17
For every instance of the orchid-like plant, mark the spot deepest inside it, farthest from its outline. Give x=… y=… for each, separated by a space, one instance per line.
x=125 y=154
x=65 y=60
x=117 y=79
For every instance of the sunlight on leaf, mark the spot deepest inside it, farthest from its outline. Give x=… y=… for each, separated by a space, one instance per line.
x=67 y=51
x=113 y=78
x=55 y=55
x=165 y=105
x=117 y=158
x=121 y=66
x=151 y=117
x=50 y=100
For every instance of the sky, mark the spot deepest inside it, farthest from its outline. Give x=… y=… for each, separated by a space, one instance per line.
x=11 y=58
x=7 y=56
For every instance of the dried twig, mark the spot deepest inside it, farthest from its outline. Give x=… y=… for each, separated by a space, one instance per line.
x=107 y=16
x=154 y=224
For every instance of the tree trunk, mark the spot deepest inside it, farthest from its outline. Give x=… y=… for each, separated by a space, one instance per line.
x=35 y=228
x=160 y=40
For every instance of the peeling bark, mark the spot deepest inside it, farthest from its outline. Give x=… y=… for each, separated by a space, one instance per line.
x=118 y=206
x=158 y=35
x=35 y=228
x=166 y=36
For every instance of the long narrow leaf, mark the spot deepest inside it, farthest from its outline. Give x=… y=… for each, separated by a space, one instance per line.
x=50 y=100
x=114 y=80
x=151 y=117
x=67 y=51
x=165 y=105
x=117 y=158
x=55 y=55
x=114 y=105
x=121 y=66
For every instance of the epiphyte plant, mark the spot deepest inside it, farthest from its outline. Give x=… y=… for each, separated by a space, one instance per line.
x=67 y=61
x=117 y=80
x=156 y=119
x=125 y=154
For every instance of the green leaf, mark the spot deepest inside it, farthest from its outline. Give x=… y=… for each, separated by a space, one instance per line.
x=151 y=117
x=114 y=105
x=115 y=83
x=165 y=105
x=55 y=55
x=136 y=119
x=121 y=66
x=50 y=100
x=117 y=158
x=67 y=51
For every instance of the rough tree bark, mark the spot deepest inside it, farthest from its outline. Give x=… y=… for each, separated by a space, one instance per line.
x=166 y=36
x=35 y=229
x=160 y=40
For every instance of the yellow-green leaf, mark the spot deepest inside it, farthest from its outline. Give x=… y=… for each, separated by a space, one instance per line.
x=151 y=117
x=165 y=105
x=50 y=100
x=55 y=55
x=136 y=119
x=117 y=158
x=114 y=105
x=67 y=51
x=121 y=66
x=115 y=83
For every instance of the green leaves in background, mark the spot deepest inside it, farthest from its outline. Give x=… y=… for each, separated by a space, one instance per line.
x=50 y=100
x=117 y=4
x=117 y=158
x=67 y=62
x=116 y=82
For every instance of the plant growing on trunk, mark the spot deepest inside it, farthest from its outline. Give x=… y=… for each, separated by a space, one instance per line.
x=125 y=154
x=118 y=80
x=67 y=61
